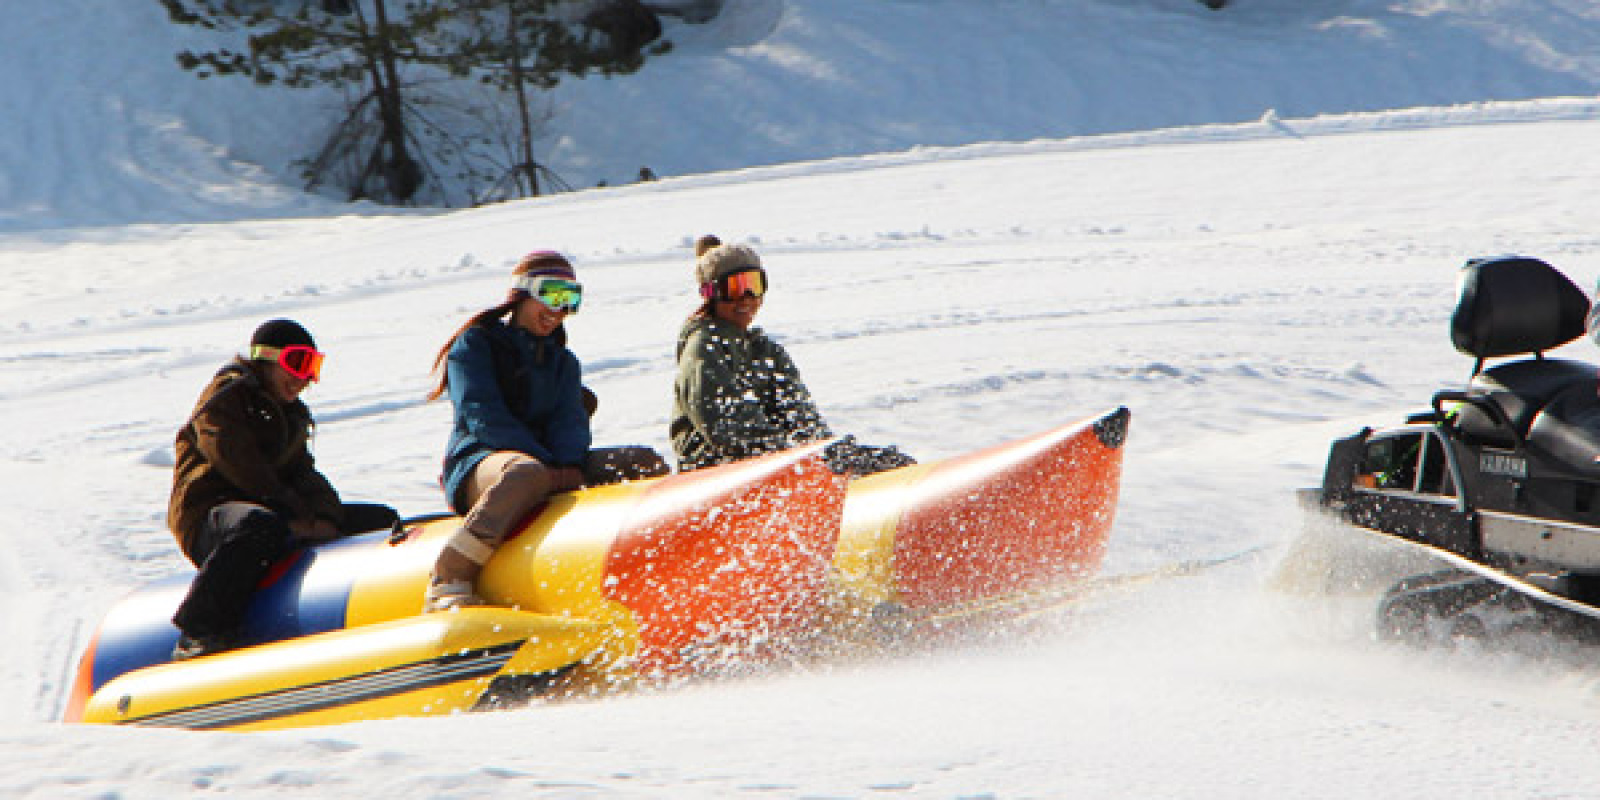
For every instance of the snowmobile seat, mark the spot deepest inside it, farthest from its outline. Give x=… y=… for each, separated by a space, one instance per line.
x=1515 y=306
x=1521 y=389
x=1567 y=431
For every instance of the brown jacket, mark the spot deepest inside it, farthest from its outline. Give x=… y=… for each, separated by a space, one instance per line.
x=242 y=445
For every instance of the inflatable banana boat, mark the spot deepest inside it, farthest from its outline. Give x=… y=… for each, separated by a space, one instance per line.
x=608 y=587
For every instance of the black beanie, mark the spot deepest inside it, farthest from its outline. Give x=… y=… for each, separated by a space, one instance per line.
x=281 y=333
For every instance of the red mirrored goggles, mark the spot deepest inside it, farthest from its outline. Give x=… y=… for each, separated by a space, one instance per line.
x=298 y=360
x=750 y=282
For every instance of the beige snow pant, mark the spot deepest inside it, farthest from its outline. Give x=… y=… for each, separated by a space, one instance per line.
x=506 y=485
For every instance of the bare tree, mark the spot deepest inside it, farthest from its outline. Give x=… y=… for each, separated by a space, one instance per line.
x=519 y=46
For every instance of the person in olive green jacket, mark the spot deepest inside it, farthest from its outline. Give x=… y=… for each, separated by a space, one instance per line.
x=738 y=393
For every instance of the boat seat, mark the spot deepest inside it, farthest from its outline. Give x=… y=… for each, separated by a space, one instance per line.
x=1567 y=430
x=1522 y=389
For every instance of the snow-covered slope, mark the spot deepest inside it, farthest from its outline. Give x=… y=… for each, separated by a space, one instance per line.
x=1250 y=290
x=116 y=133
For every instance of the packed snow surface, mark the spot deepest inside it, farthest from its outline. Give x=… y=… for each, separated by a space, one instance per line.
x=981 y=220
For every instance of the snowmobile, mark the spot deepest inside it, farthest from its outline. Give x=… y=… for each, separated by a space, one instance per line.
x=1485 y=506
x=612 y=587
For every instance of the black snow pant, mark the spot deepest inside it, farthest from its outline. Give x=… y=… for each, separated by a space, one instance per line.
x=234 y=551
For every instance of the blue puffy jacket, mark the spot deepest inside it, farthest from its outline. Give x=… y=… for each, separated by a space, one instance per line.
x=513 y=390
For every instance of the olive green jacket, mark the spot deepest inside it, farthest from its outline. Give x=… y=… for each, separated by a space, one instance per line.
x=737 y=395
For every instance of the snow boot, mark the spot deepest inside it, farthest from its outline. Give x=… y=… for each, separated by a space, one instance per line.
x=196 y=646
x=449 y=595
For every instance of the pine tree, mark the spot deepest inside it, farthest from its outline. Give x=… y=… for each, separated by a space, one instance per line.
x=513 y=45
x=300 y=44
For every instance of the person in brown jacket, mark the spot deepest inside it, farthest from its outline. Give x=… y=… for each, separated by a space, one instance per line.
x=245 y=489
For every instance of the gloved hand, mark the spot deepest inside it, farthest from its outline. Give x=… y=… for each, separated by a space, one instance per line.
x=847 y=457
x=313 y=531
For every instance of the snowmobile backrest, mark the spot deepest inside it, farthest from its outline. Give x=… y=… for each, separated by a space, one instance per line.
x=1514 y=305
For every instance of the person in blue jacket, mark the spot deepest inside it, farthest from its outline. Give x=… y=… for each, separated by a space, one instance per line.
x=521 y=430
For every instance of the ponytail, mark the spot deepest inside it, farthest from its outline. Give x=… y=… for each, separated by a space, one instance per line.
x=480 y=318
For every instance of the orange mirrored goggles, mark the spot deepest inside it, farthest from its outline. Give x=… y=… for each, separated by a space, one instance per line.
x=750 y=282
x=298 y=360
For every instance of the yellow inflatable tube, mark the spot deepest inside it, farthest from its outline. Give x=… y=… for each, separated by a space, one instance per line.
x=647 y=580
x=418 y=666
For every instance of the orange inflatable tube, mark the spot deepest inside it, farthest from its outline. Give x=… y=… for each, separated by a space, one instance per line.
x=1012 y=518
